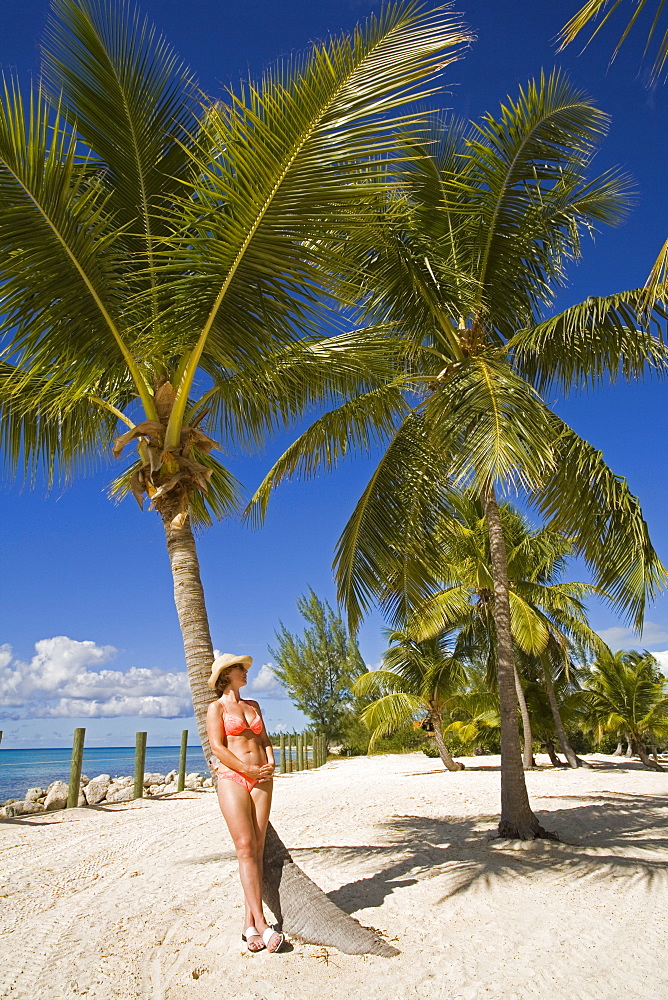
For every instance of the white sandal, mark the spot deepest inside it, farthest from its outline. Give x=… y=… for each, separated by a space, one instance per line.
x=267 y=936
x=249 y=933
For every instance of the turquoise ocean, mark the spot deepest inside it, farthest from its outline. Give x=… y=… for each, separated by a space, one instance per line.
x=24 y=769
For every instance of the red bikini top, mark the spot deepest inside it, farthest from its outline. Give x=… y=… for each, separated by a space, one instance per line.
x=234 y=726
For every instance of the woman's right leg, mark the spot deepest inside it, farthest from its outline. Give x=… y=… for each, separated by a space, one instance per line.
x=236 y=807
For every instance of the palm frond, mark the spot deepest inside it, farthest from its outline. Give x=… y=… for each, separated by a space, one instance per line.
x=394 y=517
x=56 y=231
x=526 y=188
x=50 y=422
x=586 y=501
x=286 y=168
x=440 y=612
x=352 y=427
x=249 y=404
x=489 y=424
x=133 y=102
x=389 y=713
x=528 y=628
x=593 y=8
x=600 y=338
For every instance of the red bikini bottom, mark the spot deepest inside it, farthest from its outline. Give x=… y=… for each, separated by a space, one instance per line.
x=247 y=783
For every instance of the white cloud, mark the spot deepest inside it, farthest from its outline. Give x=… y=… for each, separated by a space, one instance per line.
x=59 y=683
x=267 y=684
x=625 y=638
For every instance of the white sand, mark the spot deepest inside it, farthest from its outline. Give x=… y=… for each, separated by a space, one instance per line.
x=143 y=900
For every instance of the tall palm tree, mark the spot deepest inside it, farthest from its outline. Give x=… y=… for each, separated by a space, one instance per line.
x=465 y=268
x=626 y=693
x=415 y=677
x=164 y=260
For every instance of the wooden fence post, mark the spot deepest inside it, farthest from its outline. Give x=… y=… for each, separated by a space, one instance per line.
x=75 y=769
x=300 y=751
x=281 y=740
x=182 y=760
x=140 y=760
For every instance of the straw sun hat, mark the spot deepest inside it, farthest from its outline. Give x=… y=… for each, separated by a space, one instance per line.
x=222 y=663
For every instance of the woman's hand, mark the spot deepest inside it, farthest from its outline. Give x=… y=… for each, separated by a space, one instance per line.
x=256 y=772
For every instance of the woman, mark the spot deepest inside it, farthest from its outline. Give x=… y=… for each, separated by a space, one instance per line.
x=243 y=759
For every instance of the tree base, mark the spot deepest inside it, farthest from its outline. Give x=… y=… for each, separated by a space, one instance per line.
x=532 y=830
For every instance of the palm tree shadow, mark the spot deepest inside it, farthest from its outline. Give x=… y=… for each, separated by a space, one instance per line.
x=610 y=836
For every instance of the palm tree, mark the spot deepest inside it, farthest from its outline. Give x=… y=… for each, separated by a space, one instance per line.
x=626 y=693
x=465 y=268
x=165 y=262
x=415 y=677
x=547 y=614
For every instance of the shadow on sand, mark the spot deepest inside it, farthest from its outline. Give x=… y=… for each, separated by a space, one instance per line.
x=611 y=836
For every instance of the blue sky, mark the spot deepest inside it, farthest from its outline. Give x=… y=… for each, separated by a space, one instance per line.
x=78 y=567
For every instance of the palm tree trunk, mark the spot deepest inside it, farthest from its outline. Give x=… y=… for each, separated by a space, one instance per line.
x=528 y=763
x=304 y=910
x=640 y=751
x=629 y=746
x=193 y=619
x=564 y=742
x=517 y=819
x=554 y=760
x=443 y=752
x=620 y=749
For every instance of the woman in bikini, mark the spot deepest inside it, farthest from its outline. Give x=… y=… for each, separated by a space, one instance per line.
x=243 y=760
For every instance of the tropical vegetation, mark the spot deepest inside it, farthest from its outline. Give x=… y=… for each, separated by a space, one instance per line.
x=415 y=678
x=318 y=668
x=627 y=695
x=166 y=259
x=464 y=268
x=548 y=617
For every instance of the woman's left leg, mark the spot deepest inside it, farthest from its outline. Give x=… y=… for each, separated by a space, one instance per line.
x=260 y=808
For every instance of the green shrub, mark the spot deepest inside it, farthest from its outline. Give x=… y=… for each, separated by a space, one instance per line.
x=356 y=736
x=404 y=740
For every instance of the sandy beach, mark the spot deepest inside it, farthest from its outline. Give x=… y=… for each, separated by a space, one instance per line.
x=142 y=899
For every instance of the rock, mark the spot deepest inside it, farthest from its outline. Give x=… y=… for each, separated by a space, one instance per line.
x=172 y=776
x=84 y=779
x=123 y=780
x=173 y=786
x=120 y=793
x=156 y=789
x=35 y=795
x=21 y=809
x=96 y=789
x=207 y=783
x=153 y=779
x=56 y=796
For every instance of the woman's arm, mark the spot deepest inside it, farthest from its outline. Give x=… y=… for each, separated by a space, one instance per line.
x=263 y=738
